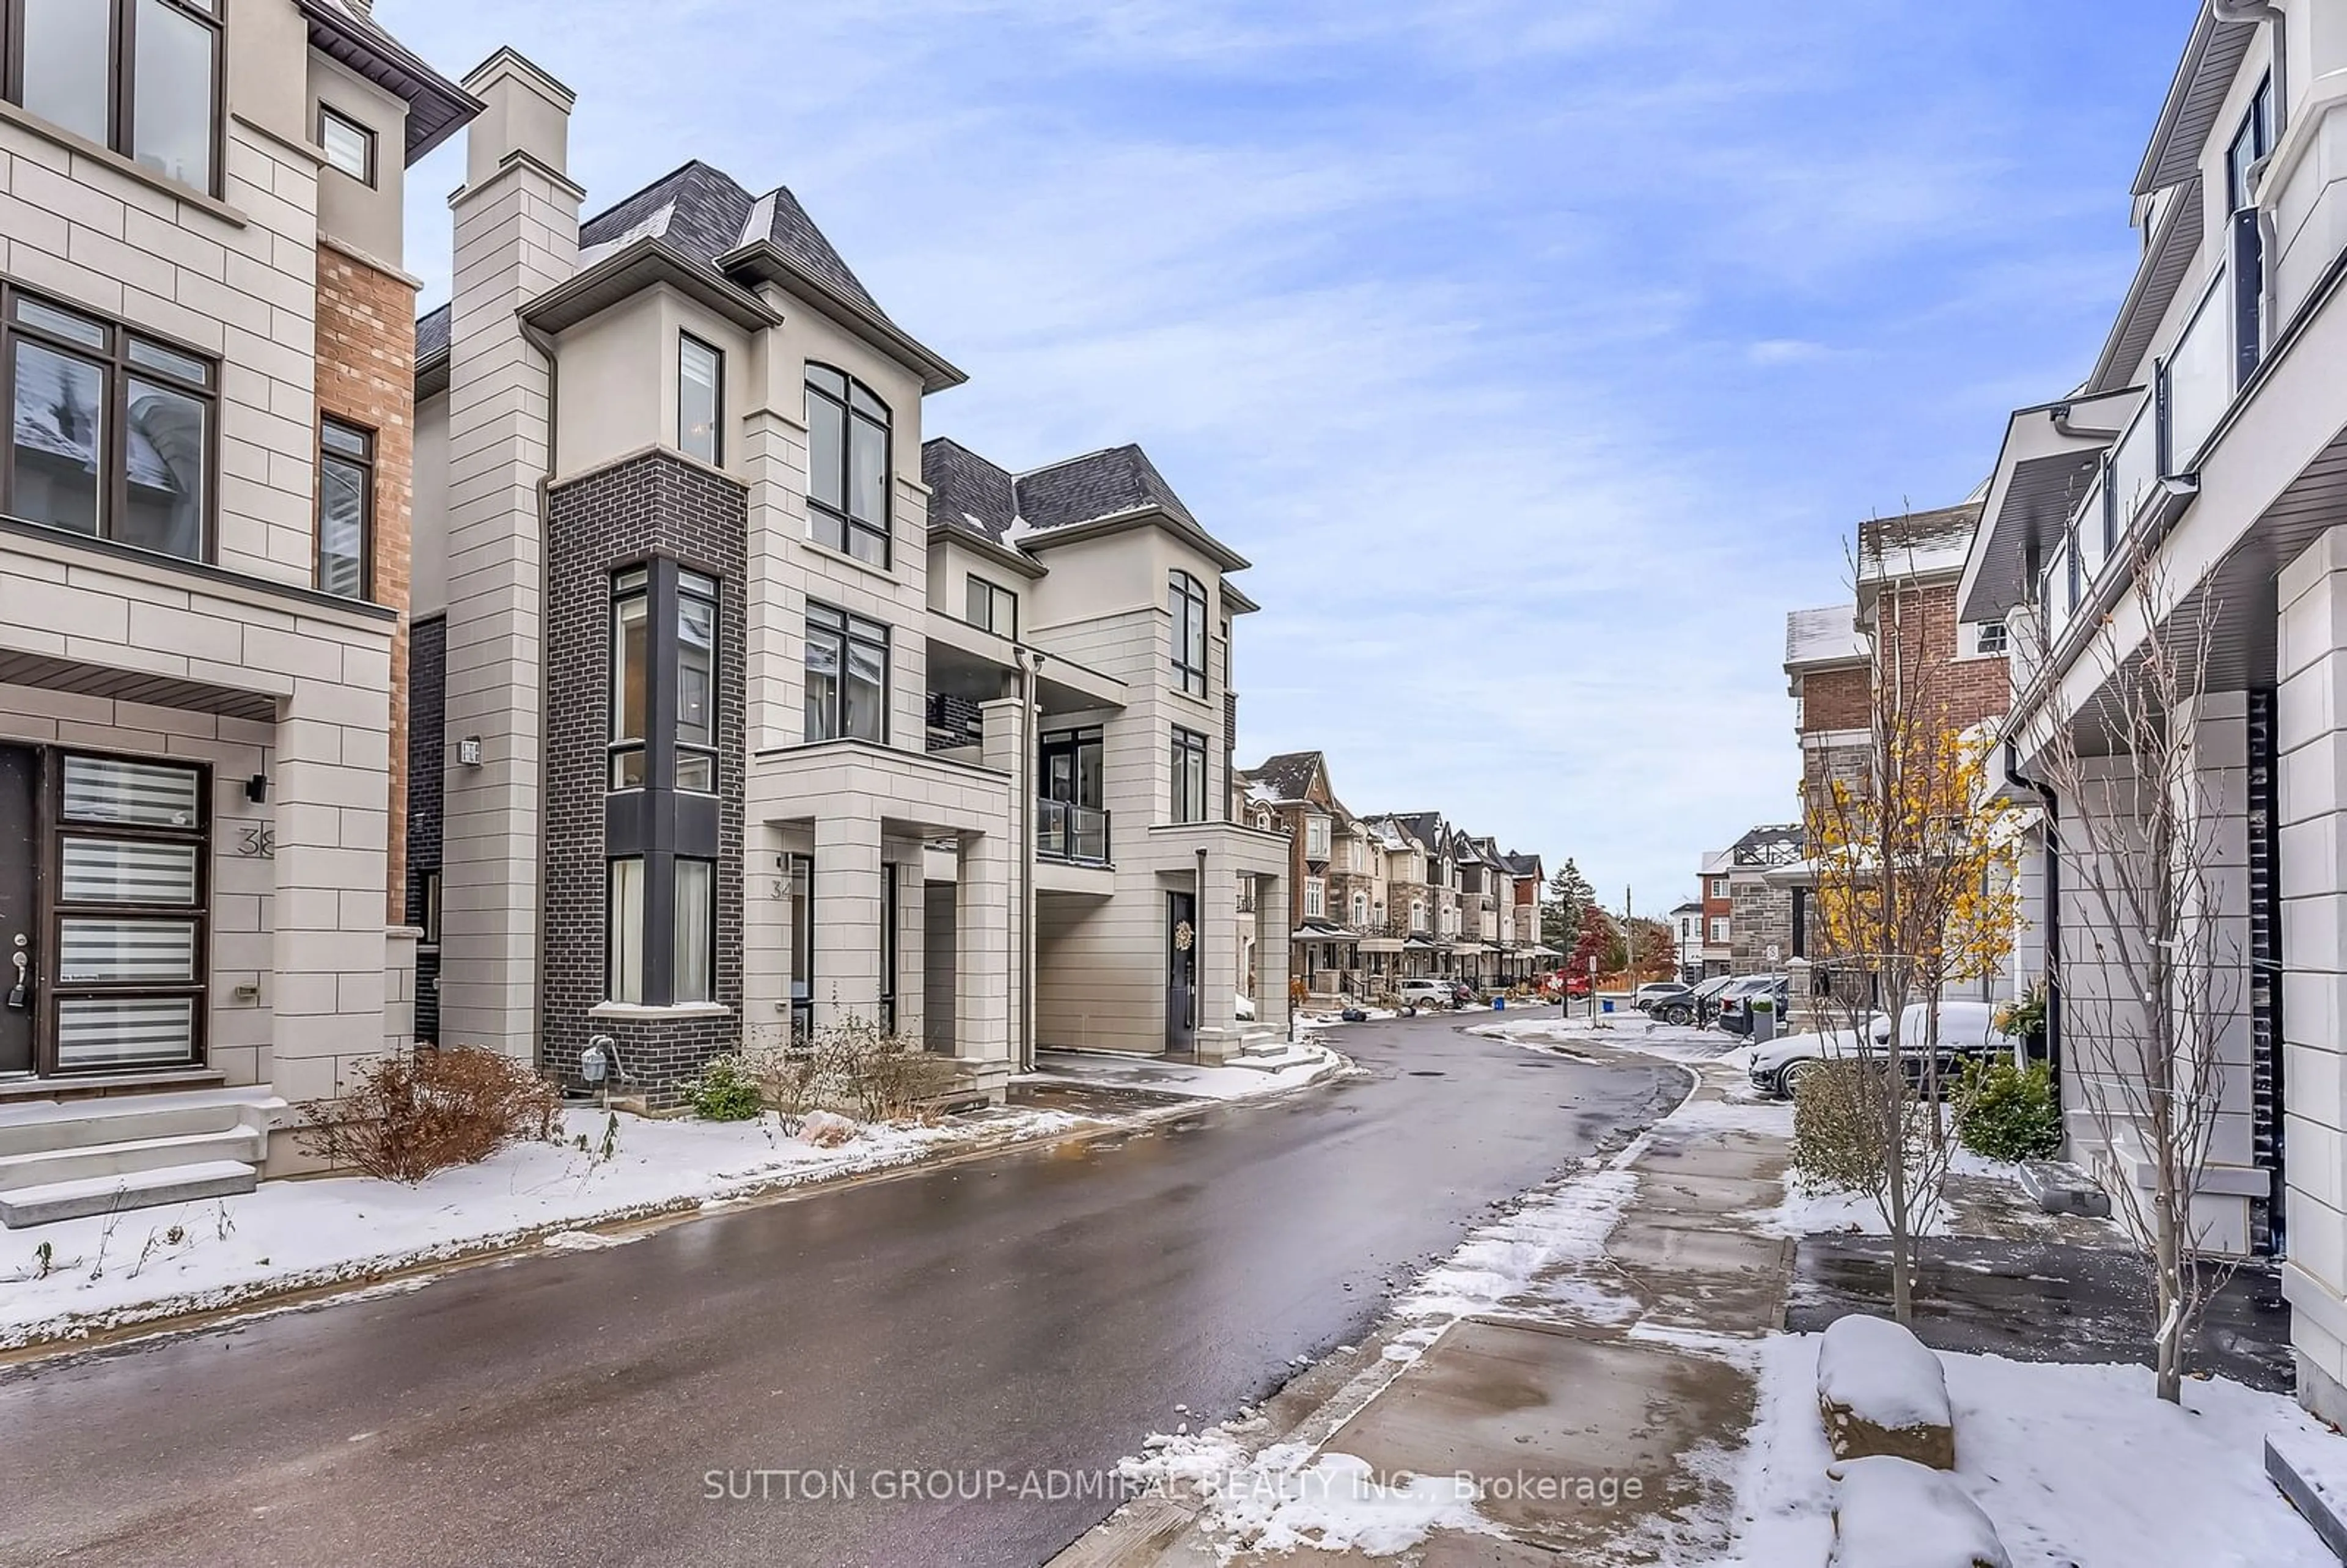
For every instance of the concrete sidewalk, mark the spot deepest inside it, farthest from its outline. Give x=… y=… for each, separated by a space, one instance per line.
x=1595 y=1407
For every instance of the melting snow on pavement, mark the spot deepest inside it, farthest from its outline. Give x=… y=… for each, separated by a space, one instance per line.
x=76 y=1277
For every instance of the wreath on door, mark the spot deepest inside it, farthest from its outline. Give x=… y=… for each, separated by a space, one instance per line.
x=1184 y=937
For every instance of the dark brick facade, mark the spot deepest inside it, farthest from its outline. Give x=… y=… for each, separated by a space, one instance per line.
x=428 y=738
x=655 y=505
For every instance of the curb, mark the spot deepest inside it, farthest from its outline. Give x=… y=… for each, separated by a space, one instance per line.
x=74 y=1334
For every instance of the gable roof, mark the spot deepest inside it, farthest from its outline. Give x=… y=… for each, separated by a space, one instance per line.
x=1289 y=774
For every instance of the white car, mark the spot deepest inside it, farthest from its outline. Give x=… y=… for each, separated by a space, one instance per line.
x=1967 y=1031
x=1425 y=993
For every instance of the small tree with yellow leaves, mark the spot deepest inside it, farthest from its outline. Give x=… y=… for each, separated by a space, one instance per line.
x=1915 y=855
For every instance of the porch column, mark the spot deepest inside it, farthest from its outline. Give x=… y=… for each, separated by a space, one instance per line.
x=2309 y=747
x=847 y=914
x=1218 y=953
x=2230 y=1180
x=332 y=780
x=765 y=937
x=1272 y=1008
x=982 y=901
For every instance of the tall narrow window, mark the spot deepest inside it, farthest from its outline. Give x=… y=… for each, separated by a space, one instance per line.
x=2249 y=146
x=109 y=433
x=1189 y=776
x=801 y=869
x=696 y=683
x=172 y=102
x=631 y=658
x=1186 y=599
x=624 y=946
x=345 y=509
x=847 y=465
x=888 y=936
x=700 y=400
x=695 y=978
x=847 y=676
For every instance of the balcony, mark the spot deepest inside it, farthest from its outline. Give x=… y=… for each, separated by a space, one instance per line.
x=1077 y=834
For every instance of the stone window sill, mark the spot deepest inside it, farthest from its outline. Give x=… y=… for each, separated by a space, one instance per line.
x=129 y=169
x=637 y=1012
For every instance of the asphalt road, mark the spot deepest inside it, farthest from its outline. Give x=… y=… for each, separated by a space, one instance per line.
x=1039 y=1311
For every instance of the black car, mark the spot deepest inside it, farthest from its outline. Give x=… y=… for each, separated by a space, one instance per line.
x=1735 y=1013
x=1698 y=1007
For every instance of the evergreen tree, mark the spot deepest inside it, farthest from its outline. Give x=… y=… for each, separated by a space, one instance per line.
x=1570 y=899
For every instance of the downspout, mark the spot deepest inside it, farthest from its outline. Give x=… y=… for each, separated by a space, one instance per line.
x=1022 y=956
x=2052 y=921
x=540 y=340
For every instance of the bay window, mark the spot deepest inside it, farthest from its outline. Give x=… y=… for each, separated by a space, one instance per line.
x=847 y=466
x=847 y=676
x=110 y=432
x=693 y=978
x=696 y=683
x=139 y=76
x=630 y=675
x=624 y=946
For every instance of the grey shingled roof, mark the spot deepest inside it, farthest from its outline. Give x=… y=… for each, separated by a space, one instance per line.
x=966 y=491
x=793 y=233
x=707 y=211
x=1097 y=485
x=1289 y=773
x=431 y=333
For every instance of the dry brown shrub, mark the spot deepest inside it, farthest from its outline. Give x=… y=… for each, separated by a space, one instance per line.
x=407 y=1116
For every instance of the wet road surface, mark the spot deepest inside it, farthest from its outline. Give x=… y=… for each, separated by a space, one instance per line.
x=1036 y=1311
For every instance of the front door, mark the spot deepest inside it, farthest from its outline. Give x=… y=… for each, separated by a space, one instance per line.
x=1181 y=973
x=20 y=904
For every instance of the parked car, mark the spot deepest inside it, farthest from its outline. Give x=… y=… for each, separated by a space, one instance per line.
x=1697 y=1006
x=1735 y=1013
x=1564 y=983
x=1427 y=993
x=1646 y=996
x=1968 y=1031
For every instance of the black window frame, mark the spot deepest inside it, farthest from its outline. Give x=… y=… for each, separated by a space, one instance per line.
x=685 y=343
x=798 y=874
x=842 y=631
x=367 y=140
x=996 y=597
x=629 y=586
x=118 y=366
x=643 y=864
x=364 y=461
x=2251 y=143
x=891 y=912
x=699 y=589
x=826 y=520
x=122 y=136
x=1187 y=598
x=1187 y=744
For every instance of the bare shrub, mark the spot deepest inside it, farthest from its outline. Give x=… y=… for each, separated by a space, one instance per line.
x=852 y=1067
x=1834 y=1146
x=410 y=1115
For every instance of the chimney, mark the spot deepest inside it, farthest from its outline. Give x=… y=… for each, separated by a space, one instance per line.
x=516 y=237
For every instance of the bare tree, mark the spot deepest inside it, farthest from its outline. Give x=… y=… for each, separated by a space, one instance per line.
x=2144 y=1025
x=1913 y=857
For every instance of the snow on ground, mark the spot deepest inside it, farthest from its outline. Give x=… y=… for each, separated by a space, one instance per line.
x=2078 y=1467
x=1287 y=1496
x=75 y=1276
x=1542 y=1258
x=1298 y=1064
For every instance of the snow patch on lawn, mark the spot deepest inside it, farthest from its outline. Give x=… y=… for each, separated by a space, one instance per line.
x=2076 y=1465
x=147 y=1264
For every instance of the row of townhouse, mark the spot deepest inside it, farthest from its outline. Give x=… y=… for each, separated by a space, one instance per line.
x=2186 y=492
x=1742 y=921
x=605 y=660
x=1377 y=899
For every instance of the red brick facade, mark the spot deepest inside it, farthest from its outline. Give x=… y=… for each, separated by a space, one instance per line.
x=366 y=376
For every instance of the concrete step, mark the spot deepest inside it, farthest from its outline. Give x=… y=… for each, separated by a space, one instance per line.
x=73 y=1200
x=45 y=1167
x=35 y=1126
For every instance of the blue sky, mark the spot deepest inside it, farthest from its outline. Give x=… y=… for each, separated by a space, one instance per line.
x=1540 y=354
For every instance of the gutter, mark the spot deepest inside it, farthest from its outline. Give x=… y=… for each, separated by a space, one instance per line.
x=2053 y=920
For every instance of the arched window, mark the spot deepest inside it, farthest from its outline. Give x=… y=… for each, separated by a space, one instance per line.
x=1360 y=909
x=847 y=465
x=1417 y=914
x=1186 y=597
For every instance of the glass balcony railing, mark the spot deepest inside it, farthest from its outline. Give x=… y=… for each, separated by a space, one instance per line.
x=2196 y=380
x=1066 y=831
x=2129 y=477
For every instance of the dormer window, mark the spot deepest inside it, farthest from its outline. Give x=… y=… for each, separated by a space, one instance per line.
x=847 y=465
x=1186 y=599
